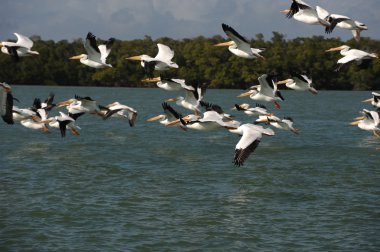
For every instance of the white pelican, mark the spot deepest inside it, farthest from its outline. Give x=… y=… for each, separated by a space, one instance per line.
x=20 y=114
x=116 y=109
x=239 y=45
x=38 y=121
x=21 y=48
x=250 y=138
x=375 y=100
x=210 y=120
x=256 y=111
x=63 y=122
x=304 y=13
x=267 y=91
x=299 y=82
x=35 y=123
x=351 y=55
x=81 y=104
x=170 y=84
x=370 y=121
x=343 y=22
x=285 y=124
x=192 y=99
x=162 y=61
x=96 y=55
x=6 y=103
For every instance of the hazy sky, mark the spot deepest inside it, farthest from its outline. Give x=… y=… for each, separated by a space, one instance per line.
x=131 y=19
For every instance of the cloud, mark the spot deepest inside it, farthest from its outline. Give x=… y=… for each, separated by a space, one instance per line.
x=131 y=19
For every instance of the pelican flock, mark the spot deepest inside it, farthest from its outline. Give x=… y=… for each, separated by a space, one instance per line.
x=200 y=115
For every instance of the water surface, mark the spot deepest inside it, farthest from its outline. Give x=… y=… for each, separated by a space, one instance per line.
x=155 y=188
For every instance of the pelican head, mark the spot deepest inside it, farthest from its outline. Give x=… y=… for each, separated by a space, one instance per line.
x=247 y=93
x=156 y=118
x=78 y=57
x=229 y=43
x=157 y=79
x=174 y=99
x=65 y=103
x=340 y=48
x=368 y=100
x=138 y=57
x=287 y=81
x=6 y=87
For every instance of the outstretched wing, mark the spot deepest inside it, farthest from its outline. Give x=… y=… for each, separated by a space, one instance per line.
x=23 y=41
x=164 y=54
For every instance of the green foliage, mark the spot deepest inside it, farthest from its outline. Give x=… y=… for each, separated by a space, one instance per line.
x=199 y=61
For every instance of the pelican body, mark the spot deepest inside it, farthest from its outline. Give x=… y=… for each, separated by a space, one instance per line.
x=161 y=62
x=238 y=45
x=352 y=55
x=96 y=55
x=299 y=82
x=343 y=22
x=266 y=92
x=375 y=100
x=250 y=138
x=170 y=84
x=370 y=121
x=21 y=48
x=304 y=13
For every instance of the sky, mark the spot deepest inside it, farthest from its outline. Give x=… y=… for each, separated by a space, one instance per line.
x=134 y=19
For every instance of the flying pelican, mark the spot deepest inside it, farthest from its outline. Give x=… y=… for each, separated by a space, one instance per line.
x=192 y=99
x=6 y=103
x=96 y=55
x=162 y=61
x=266 y=92
x=304 y=13
x=343 y=22
x=285 y=124
x=239 y=45
x=351 y=55
x=21 y=48
x=210 y=120
x=38 y=121
x=256 y=111
x=170 y=84
x=370 y=121
x=81 y=104
x=375 y=100
x=116 y=109
x=63 y=122
x=299 y=82
x=250 y=138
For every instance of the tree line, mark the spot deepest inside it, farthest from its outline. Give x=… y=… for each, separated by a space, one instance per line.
x=198 y=60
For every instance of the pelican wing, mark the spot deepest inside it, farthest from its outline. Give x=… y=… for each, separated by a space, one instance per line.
x=170 y=113
x=296 y=6
x=334 y=22
x=105 y=49
x=239 y=40
x=164 y=54
x=348 y=58
x=92 y=49
x=23 y=41
x=322 y=13
x=6 y=106
x=266 y=88
x=246 y=145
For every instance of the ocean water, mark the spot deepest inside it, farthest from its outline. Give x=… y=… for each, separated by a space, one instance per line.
x=157 y=188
